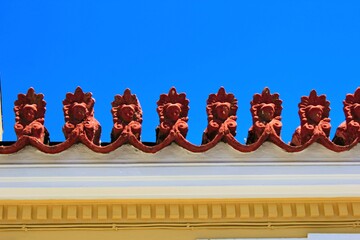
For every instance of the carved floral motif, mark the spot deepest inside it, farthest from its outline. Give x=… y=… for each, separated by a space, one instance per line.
x=349 y=130
x=79 y=116
x=81 y=126
x=314 y=118
x=29 y=116
x=173 y=112
x=221 y=110
x=265 y=110
x=127 y=115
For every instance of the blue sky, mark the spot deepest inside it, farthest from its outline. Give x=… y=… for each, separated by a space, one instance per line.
x=291 y=47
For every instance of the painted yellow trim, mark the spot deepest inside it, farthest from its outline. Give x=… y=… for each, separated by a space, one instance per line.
x=178 y=214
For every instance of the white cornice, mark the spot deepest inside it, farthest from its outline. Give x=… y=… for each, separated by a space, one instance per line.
x=174 y=172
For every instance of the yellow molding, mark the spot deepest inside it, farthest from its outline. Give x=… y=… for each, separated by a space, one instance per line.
x=195 y=213
x=155 y=219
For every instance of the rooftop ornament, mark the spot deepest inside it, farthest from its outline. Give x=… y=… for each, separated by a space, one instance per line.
x=79 y=116
x=29 y=116
x=127 y=115
x=173 y=112
x=349 y=130
x=221 y=110
x=314 y=119
x=265 y=110
x=81 y=126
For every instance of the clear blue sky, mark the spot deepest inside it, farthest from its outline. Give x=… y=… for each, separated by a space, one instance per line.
x=196 y=46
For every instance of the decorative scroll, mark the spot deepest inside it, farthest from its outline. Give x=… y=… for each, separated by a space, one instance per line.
x=221 y=110
x=265 y=110
x=314 y=118
x=79 y=116
x=29 y=116
x=127 y=115
x=173 y=112
x=349 y=130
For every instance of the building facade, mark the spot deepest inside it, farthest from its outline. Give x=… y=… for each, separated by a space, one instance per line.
x=173 y=189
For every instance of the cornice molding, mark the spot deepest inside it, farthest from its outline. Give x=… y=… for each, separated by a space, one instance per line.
x=177 y=174
x=255 y=213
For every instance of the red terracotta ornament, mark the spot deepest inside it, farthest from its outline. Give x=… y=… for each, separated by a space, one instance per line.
x=221 y=110
x=173 y=112
x=29 y=116
x=79 y=116
x=127 y=115
x=349 y=130
x=265 y=110
x=81 y=125
x=314 y=118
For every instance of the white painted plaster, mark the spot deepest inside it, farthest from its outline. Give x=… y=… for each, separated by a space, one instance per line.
x=174 y=172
